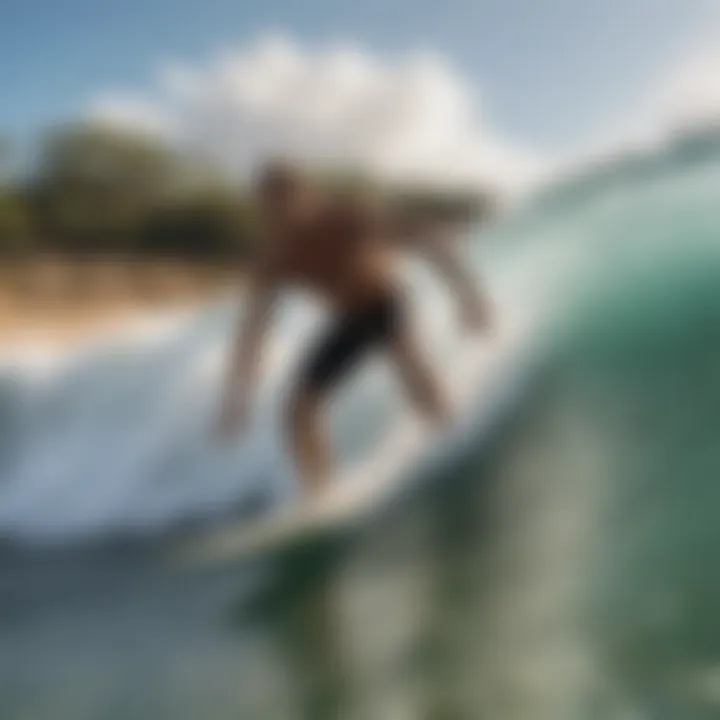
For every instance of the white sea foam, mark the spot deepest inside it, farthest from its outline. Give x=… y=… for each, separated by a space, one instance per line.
x=116 y=437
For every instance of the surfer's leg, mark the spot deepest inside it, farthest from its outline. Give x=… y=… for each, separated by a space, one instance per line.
x=335 y=354
x=309 y=441
x=420 y=379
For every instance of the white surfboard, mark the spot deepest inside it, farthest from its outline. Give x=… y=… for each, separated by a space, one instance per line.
x=487 y=364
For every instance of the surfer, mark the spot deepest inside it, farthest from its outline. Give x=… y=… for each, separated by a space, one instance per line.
x=345 y=251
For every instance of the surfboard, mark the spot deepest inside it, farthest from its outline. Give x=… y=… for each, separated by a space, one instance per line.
x=487 y=368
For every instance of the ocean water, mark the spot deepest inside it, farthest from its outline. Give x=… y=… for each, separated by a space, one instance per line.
x=562 y=565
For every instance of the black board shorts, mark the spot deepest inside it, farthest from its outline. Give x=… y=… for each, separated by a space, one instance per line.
x=350 y=338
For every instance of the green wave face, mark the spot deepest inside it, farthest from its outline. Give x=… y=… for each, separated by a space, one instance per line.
x=609 y=475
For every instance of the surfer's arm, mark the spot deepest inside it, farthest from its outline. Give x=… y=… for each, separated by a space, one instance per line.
x=437 y=245
x=412 y=232
x=441 y=251
x=246 y=351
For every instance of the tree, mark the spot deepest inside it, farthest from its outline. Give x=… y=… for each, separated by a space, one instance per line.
x=15 y=224
x=204 y=225
x=94 y=186
x=452 y=206
x=5 y=159
x=14 y=217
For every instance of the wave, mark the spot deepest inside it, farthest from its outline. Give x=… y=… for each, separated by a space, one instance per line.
x=116 y=438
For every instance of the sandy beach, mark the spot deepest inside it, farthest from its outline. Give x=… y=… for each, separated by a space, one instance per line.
x=59 y=303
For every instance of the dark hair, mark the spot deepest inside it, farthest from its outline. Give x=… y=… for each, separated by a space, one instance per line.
x=278 y=177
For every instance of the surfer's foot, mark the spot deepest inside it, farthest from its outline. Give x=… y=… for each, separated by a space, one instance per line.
x=443 y=418
x=439 y=411
x=313 y=484
x=309 y=445
x=310 y=492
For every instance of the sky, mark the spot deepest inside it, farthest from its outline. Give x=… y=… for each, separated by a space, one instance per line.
x=524 y=79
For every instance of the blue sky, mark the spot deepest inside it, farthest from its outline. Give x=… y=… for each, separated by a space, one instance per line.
x=549 y=72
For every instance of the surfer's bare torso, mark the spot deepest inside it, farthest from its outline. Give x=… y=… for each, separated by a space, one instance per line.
x=337 y=252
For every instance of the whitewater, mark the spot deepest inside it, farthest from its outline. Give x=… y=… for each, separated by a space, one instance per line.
x=116 y=438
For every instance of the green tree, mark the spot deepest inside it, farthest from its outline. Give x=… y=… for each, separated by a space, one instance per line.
x=14 y=217
x=5 y=159
x=15 y=227
x=203 y=225
x=452 y=206
x=94 y=186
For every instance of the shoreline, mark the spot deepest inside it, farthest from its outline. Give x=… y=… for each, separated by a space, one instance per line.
x=60 y=304
x=67 y=333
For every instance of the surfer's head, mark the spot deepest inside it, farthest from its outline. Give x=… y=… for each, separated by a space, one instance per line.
x=283 y=190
